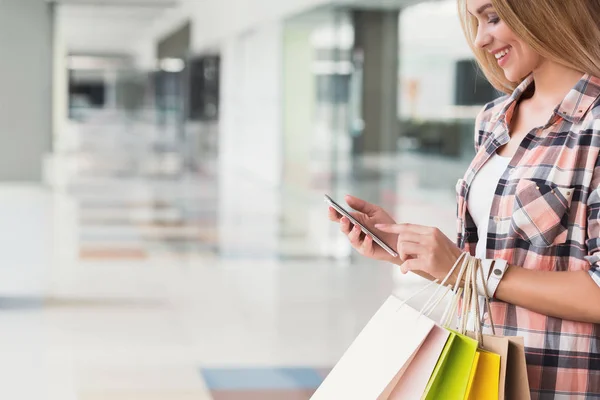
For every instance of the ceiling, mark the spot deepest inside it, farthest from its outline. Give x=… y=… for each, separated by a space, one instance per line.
x=109 y=26
x=118 y=26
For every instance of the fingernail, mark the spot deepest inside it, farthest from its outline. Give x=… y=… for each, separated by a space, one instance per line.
x=379 y=225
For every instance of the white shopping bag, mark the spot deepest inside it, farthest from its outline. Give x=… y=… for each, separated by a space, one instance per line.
x=372 y=365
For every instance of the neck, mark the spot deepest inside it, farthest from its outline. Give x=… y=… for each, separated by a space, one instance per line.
x=553 y=82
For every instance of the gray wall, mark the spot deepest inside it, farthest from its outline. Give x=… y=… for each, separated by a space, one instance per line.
x=25 y=88
x=376 y=35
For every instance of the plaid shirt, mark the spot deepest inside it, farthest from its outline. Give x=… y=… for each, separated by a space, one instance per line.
x=545 y=216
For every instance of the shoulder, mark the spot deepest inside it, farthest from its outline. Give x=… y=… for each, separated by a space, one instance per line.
x=590 y=93
x=595 y=111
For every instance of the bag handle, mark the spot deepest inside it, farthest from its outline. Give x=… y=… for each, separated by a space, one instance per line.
x=469 y=268
x=452 y=308
x=435 y=299
x=470 y=308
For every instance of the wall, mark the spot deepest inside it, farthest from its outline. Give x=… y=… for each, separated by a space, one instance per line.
x=250 y=143
x=26 y=32
x=298 y=103
x=431 y=43
x=250 y=136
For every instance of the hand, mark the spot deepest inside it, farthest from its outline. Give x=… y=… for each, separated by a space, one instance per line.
x=424 y=249
x=367 y=214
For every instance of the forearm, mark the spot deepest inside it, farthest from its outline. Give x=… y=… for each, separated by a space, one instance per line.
x=572 y=296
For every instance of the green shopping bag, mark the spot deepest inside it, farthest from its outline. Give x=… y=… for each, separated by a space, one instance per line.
x=450 y=377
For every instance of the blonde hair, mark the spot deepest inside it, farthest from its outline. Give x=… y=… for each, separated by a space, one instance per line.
x=563 y=31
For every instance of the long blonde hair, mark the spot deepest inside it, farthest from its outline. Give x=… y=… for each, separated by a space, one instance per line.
x=563 y=31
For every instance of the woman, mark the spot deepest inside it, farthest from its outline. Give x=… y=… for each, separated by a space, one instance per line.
x=529 y=204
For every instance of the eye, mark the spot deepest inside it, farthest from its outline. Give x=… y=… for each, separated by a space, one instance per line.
x=493 y=19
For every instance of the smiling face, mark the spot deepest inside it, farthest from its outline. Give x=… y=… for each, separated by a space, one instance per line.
x=513 y=55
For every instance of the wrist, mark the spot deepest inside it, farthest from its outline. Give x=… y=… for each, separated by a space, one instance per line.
x=488 y=280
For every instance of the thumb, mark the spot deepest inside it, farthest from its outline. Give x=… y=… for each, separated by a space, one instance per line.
x=409 y=265
x=362 y=206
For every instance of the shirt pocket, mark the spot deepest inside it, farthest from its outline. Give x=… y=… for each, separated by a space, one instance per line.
x=540 y=213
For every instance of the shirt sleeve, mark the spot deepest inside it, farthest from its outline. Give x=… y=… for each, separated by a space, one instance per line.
x=593 y=225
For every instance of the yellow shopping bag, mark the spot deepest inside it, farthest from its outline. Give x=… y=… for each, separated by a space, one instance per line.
x=486 y=379
x=472 y=377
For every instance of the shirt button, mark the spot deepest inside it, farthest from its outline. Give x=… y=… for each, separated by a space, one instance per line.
x=497 y=219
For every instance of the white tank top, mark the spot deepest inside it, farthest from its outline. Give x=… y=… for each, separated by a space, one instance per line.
x=481 y=195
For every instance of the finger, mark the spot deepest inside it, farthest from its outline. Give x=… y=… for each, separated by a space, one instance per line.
x=345 y=225
x=409 y=265
x=391 y=228
x=362 y=205
x=367 y=245
x=334 y=215
x=407 y=250
x=404 y=228
x=354 y=237
x=410 y=237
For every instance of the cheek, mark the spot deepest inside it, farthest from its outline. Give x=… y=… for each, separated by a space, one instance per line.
x=530 y=59
x=504 y=34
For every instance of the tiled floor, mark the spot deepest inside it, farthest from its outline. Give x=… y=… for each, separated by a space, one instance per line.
x=262 y=383
x=120 y=284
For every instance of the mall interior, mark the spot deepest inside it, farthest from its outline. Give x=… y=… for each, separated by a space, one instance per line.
x=164 y=233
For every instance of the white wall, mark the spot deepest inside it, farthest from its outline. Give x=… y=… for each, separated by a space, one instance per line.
x=251 y=88
x=431 y=41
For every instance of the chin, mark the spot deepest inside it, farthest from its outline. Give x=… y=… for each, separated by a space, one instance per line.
x=514 y=76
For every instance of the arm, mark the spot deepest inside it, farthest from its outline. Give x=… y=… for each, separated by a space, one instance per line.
x=566 y=295
x=571 y=295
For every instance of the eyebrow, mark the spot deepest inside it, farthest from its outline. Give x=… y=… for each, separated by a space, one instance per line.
x=483 y=8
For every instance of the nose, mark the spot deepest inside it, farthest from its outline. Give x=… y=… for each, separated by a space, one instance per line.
x=483 y=38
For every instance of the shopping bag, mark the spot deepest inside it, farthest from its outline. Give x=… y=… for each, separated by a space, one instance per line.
x=517 y=383
x=431 y=358
x=512 y=382
x=498 y=345
x=384 y=347
x=450 y=379
x=472 y=376
x=485 y=385
x=413 y=380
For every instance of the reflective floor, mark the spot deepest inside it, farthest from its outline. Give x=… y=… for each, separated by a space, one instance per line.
x=128 y=279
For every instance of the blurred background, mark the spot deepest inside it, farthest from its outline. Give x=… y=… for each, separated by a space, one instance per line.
x=162 y=173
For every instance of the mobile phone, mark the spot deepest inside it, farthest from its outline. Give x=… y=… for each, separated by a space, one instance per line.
x=346 y=214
